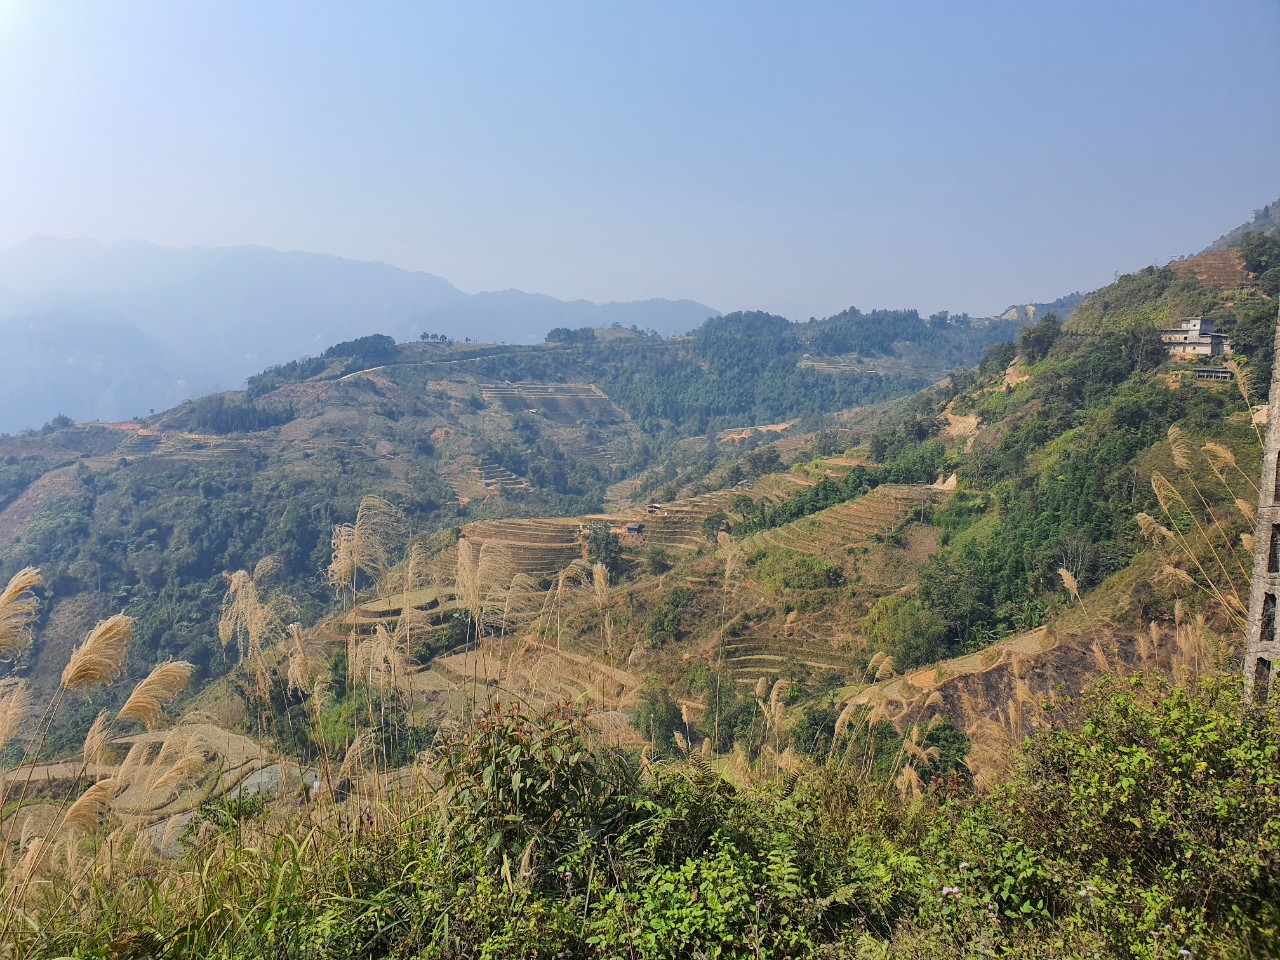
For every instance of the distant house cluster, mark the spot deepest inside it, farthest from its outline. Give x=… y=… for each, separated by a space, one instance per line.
x=1195 y=337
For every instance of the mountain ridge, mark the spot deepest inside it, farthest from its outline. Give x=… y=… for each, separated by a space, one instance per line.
x=202 y=305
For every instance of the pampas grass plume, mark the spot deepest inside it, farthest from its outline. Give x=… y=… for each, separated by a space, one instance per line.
x=15 y=702
x=886 y=669
x=18 y=607
x=1152 y=529
x=161 y=687
x=1069 y=581
x=1220 y=453
x=1181 y=449
x=88 y=812
x=95 y=741
x=101 y=657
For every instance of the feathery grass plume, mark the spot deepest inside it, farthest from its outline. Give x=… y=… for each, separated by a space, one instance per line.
x=879 y=714
x=303 y=667
x=1165 y=492
x=91 y=807
x=265 y=569
x=685 y=716
x=934 y=699
x=681 y=742
x=762 y=687
x=1100 y=658
x=34 y=858
x=1246 y=509
x=467 y=584
x=875 y=661
x=342 y=569
x=1152 y=529
x=184 y=758
x=96 y=741
x=1247 y=541
x=18 y=606
x=600 y=585
x=137 y=758
x=354 y=757
x=908 y=783
x=1174 y=574
x=377 y=525
x=845 y=718
x=379 y=662
x=706 y=749
x=15 y=703
x=321 y=694
x=1069 y=581
x=183 y=771
x=1181 y=449
x=775 y=699
x=886 y=669
x=239 y=605
x=1220 y=456
x=101 y=657
x=162 y=686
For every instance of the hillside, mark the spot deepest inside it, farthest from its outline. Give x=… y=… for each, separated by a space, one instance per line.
x=148 y=514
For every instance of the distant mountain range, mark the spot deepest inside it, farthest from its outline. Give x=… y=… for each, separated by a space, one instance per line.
x=110 y=331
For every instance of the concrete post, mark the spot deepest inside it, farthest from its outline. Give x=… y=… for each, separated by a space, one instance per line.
x=1262 y=651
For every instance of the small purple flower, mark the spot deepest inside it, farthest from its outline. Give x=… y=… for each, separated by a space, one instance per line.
x=1184 y=952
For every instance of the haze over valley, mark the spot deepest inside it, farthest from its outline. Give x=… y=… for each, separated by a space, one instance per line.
x=110 y=331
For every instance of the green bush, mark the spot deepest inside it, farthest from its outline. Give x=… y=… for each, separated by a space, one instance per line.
x=793 y=570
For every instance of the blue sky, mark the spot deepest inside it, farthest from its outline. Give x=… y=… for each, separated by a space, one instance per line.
x=797 y=158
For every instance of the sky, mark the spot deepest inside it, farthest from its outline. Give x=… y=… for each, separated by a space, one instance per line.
x=798 y=158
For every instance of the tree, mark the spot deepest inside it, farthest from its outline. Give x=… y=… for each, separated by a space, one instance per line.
x=603 y=546
x=1037 y=340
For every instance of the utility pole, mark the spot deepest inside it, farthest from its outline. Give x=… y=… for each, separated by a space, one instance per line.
x=1262 y=651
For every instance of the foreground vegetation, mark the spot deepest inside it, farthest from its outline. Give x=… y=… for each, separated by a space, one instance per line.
x=1142 y=821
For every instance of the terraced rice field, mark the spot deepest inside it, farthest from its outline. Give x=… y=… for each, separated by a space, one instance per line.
x=1222 y=269
x=679 y=525
x=564 y=403
x=829 y=534
x=749 y=658
x=776 y=487
x=536 y=548
x=493 y=477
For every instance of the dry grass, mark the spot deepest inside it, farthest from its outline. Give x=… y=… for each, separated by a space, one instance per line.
x=15 y=704
x=304 y=668
x=96 y=741
x=101 y=657
x=364 y=546
x=90 y=810
x=1153 y=530
x=161 y=687
x=18 y=606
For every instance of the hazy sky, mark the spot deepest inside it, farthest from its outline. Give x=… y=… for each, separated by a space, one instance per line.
x=795 y=157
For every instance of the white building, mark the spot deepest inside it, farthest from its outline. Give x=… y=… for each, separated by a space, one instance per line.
x=1195 y=337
